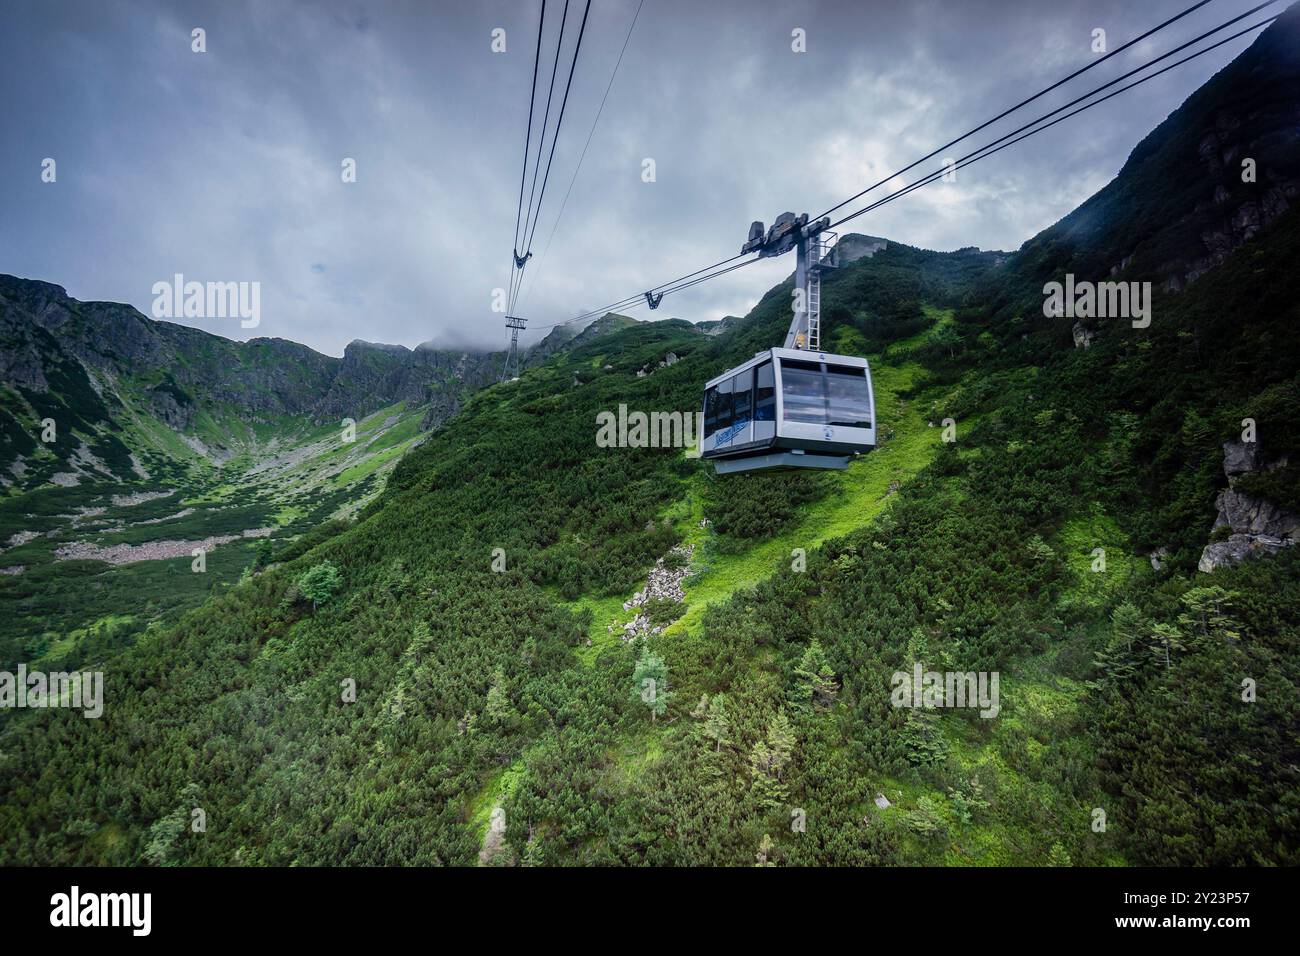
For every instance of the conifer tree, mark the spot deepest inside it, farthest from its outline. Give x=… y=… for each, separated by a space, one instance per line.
x=319 y=583
x=717 y=726
x=815 y=682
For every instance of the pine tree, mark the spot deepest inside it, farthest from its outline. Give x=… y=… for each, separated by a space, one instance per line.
x=1116 y=662
x=781 y=740
x=1165 y=640
x=769 y=758
x=1058 y=856
x=815 y=682
x=497 y=708
x=1207 y=614
x=922 y=738
x=532 y=852
x=717 y=726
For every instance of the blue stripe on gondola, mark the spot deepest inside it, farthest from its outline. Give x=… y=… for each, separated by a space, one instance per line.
x=726 y=435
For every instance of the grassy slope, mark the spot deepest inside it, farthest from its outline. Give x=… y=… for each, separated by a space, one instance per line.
x=1036 y=705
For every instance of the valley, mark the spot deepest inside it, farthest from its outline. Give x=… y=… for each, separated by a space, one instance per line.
x=76 y=556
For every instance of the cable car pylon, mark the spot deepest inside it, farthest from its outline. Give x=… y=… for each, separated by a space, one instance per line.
x=514 y=323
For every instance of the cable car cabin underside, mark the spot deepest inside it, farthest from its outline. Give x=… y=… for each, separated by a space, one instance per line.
x=789 y=408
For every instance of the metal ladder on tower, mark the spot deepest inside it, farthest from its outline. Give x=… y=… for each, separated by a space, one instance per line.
x=821 y=256
x=814 y=253
x=814 y=308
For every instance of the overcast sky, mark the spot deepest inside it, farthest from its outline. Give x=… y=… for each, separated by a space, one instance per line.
x=225 y=165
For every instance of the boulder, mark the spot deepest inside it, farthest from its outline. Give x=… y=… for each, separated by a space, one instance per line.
x=1254 y=516
x=1257 y=528
x=1239 y=457
x=1237 y=548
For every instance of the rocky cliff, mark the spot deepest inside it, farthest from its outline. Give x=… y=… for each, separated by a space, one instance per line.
x=1247 y=526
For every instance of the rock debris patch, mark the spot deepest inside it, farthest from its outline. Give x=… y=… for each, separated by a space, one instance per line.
x=151 y=550
x=664 y=583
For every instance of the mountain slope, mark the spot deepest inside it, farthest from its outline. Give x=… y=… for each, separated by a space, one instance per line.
x=94 y=366
x=483 y=596
x=429 y=622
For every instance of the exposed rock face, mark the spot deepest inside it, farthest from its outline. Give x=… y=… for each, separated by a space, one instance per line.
x=715 y=327
x=609 y=322
x=669 y=359
x=1238 y=226
x=171 y=409
x=1239 y=457
x=150 y=550
x=1257 y=527
x=416 y=376
x=1083 y=336
x=855 y=246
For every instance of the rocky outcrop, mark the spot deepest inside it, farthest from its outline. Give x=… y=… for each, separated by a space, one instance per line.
x=1251 y=527
x=669 y=359
x=170 y=407
x=664 y=583
x=150 y=550
x=855 y=246
x=424 y=375
x=716 y=327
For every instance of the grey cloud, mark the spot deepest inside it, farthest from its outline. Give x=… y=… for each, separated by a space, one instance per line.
x=226 y=165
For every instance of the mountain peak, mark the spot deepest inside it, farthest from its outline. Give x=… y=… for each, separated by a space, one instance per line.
x=361 y=344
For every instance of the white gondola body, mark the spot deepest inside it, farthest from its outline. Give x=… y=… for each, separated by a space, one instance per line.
x=786 y=403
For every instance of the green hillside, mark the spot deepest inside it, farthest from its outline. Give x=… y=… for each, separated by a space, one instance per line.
x=380 y=690
x=477 y=687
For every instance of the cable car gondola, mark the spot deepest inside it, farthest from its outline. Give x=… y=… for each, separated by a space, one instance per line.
x=795 y=406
